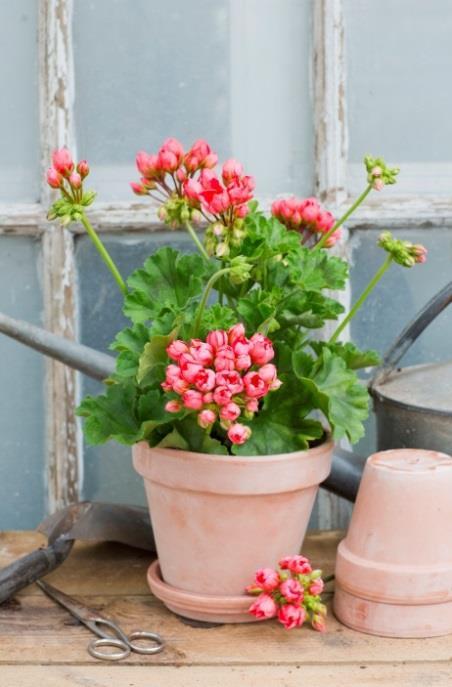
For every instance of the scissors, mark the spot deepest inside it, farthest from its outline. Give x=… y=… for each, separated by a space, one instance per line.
x=95 y=622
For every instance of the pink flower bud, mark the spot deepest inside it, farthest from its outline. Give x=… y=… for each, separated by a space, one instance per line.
x=175 y=147
x=224 y=359
x=217 y=338
x=318 y=622
x=208 y=397
x=316 y=587
x=299 y=565
x=201 y=351
x=267 y=373
x=238 y=433
x=292 y=590
x=62 y=161
x=75 y=180
x=54 y=178
x=334 y=238
x=262 y=349
x=222 y=395
x=180 y=386
x=83 y=168
x=138 y=189
x=291 y=616
x=176 y=348
x=243 y=362
x=231 y=169
x=255 y=387
x=230 y=411
x=267 y=579
x=376 y=171
x=236 y=332
x=167 y=161
x=324 y=222
x=206 y=418
x=309 y=210
x=192 y=189
x=192 y=399
x=252 y=406
x=264 y=607
x=173 y=406
x=378 y=184
x=205 y=381
x=210 y=161
x=230 y=379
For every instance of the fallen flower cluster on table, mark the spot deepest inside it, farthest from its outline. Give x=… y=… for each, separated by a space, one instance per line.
x=291 y=594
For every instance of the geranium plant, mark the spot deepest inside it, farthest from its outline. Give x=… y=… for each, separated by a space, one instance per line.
x=225 y=353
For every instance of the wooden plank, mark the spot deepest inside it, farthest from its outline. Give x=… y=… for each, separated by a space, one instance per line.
x=57 y=129
x=111 y=578
x=117 y=675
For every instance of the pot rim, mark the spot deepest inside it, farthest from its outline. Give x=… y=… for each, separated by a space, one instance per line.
x=326 y=445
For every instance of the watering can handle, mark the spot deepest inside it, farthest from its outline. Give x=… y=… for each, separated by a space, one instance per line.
x=409 y=335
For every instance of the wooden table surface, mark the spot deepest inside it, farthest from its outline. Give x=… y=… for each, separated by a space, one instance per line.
x=42 y=646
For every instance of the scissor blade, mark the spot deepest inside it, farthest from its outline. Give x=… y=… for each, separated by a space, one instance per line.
x=82 y=613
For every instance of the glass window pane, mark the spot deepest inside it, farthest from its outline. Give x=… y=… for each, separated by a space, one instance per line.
x=19 y=142
x=236 y=74
x=108 y=471
x=22 y=417
x=399 y=63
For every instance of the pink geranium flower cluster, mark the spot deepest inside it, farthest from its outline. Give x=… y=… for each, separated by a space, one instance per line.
x=291 y=594
x=307 y=217
x=221 y=378
x=64 y=174
x=188 y=175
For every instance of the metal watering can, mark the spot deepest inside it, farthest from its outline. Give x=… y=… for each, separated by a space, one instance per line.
x=413 y=406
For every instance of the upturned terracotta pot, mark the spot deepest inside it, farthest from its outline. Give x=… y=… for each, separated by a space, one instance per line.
x=217 y=519
x=394 y=568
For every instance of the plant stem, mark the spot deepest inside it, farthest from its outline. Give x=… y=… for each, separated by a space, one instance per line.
x=103 y=253
x=369 y=288
x=344 y=218
x=192 y=233
x=205 y=298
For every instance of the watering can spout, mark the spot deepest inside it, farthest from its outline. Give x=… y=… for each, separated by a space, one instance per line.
x=82 y=358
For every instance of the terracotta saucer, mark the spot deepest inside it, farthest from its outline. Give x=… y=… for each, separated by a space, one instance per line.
x=207 y=608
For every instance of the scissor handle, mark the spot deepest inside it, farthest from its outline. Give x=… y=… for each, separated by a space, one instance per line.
x=120 y=640
x=157 y=642
x=93 y=649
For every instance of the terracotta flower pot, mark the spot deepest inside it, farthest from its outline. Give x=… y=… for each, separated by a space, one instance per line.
x=394 y=568
x=217 y=519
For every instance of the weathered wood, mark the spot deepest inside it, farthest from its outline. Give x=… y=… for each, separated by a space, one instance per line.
x=365 y=675
x=34 y=632
x=57 y=129
x=330 y=140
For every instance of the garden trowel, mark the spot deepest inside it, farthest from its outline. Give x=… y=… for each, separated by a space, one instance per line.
x=86 y=521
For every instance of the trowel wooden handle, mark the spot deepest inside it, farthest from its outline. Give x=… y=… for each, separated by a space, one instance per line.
x=409 y=335
x=31 y=567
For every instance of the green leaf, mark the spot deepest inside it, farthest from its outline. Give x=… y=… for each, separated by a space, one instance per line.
x=217 y=317
x=167 y=280
x=111 y=415
x=337 y=392
x=173 y=440
x=255 y=308
x=353 y=357
x=316 y=270
x=154 y=353
x=281 y=426
x=130 y=343
x=197 y=438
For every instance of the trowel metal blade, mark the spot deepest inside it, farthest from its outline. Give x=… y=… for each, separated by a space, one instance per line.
x=101 y=522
